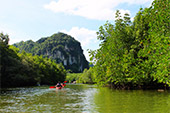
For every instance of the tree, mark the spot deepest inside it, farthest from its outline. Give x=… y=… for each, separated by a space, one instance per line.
x=24 y=69
x=135 y=54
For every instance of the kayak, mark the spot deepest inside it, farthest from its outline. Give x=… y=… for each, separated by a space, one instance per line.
x=59 y=87
x=62 y=86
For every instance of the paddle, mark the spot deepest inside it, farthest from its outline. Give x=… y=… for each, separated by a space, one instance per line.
x=65 y=82
x=54 y=86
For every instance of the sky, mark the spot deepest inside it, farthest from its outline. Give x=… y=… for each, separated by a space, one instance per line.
x=26 y=20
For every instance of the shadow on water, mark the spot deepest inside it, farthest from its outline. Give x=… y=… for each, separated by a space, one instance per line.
x=132 y=101
x=83 y=99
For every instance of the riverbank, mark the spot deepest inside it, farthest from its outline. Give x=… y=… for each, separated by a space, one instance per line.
x=139 y=87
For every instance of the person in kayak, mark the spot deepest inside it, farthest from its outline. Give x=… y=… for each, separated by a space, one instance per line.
x=59 y=84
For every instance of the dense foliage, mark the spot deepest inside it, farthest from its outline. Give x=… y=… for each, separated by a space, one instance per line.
x=24 y=69
x=135 y=54
x=86 y=77
x=60 y=47
x=72 y=77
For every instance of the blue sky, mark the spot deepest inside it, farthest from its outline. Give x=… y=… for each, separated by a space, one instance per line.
x=34 y=19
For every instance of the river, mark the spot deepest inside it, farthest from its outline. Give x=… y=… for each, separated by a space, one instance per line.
x=83 y=99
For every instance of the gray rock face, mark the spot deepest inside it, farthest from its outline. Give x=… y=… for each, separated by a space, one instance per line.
x=60 y=47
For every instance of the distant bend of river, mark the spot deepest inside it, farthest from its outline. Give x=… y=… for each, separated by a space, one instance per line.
x=79 y=98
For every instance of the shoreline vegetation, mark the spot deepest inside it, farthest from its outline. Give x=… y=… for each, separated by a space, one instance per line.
x=24 y=69
x=132 y=55
x=83 y=78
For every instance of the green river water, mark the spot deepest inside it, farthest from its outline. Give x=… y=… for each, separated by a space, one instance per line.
x=83 y=99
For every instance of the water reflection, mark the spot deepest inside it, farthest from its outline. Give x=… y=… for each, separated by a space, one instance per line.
x=83 y=99
x=120 y=101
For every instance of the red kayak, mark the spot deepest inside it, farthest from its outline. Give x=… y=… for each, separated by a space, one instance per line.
x=55 y=87
x=59 y=87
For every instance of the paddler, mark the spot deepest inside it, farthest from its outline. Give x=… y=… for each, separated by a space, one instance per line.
x=59 y=84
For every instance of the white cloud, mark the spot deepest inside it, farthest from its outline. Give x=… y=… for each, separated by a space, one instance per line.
x=85 y=36
x=91 y=9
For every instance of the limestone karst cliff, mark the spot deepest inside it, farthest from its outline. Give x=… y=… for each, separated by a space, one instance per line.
x=60 y=47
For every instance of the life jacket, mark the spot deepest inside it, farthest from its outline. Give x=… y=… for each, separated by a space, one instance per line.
x=59 y=85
